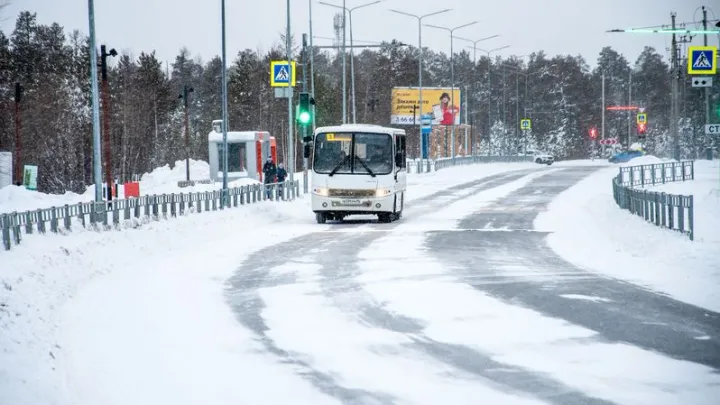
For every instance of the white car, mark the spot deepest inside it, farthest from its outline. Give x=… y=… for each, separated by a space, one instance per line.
x=540 y=157
x=543 y=158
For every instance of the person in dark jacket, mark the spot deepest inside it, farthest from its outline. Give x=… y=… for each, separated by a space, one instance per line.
x=269 y=171
x=281 y=176
x=281 y=173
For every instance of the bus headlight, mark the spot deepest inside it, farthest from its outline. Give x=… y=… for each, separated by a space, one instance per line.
x=383 y=192
x=321 y=191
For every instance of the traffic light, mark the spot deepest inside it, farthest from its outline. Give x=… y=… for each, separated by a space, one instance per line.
x=305 y=114
x=641 y=128
x=593 y=133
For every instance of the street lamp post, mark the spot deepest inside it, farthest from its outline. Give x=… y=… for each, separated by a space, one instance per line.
x=488 y=52
x=452 y=77
x=224 y=111
x=184 y=96
x=106 y=118
x=423 y=140
x=352 y=51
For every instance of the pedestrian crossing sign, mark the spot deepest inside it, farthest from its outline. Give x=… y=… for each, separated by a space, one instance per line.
x=282 y=73
x=525 y=124
x=642 y=118
x=702 y=60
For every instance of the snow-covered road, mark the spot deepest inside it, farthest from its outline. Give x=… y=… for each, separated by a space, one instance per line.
x=459 y=302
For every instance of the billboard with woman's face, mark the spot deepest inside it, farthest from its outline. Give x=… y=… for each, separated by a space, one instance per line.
x=437 y=102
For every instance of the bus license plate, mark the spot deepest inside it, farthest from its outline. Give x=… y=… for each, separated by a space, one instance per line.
x=349 y=202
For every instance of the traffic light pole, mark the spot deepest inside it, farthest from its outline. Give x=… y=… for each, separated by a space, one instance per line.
x=305 y=127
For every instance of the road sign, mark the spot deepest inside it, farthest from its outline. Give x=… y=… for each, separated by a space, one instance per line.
x=525 y=123
x=702 y=82
x=282 y=73
x=642 y=118
x=608 y=141
x=712 y=129
x=702 y=60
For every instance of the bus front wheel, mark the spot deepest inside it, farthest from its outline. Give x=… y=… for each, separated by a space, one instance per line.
x=320 y=217
x=385 y=217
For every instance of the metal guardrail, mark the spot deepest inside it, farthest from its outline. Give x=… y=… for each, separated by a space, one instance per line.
x=107 y=215
x=675 y=212
x=428 y=165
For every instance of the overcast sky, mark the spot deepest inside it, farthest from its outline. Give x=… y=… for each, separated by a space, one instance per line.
x=556 y=26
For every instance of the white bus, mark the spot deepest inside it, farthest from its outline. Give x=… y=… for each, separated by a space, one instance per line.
x=358 y=170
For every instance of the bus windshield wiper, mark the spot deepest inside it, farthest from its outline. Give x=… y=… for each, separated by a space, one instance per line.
x=339 y=165
x=362 y=162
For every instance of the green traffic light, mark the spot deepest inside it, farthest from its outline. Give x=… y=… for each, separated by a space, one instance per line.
x=304 y=117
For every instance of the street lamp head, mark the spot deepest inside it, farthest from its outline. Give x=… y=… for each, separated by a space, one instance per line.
x=113 y=52
x=437 y=26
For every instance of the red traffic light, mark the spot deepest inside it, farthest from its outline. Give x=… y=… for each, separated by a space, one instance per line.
x=641 y=128
x=593 y=133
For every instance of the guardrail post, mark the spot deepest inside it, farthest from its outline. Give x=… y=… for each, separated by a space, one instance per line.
x=173 y=208
x=5 y=226
x=41 y=221
x=15 y=220
x=164 y=202
x=691 y=217
x=66 y=218
x=215 y=200
x=28 y=222
x=681 y=214
x=207 y=201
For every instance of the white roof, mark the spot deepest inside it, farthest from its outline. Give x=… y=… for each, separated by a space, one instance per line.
x=358 y=128
x=239 y=136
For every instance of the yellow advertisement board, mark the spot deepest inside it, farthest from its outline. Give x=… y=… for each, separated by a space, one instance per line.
x=437 y=103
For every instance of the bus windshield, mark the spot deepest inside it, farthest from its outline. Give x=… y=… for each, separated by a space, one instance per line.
x=353 y=153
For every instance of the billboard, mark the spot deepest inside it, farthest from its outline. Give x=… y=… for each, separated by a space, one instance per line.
x=436 y=103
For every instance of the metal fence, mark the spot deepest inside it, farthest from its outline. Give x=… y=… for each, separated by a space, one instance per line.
x=665 y=210
x=428 y=165
x=132 y=211
x=118 y=213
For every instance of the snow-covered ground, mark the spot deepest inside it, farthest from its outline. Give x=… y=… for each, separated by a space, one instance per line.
x=591 y=231
x=166 y=278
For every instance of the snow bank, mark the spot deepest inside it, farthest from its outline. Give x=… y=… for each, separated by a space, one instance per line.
x=591 y=231
x=84 y=316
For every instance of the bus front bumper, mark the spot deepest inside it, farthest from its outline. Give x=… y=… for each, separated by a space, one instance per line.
x=353 y=204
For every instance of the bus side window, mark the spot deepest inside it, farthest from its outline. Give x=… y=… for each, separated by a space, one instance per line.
x=400 y=152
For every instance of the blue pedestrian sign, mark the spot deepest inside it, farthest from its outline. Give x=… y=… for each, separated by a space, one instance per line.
x=702 y=60
x=525 y=124
x=282 y=73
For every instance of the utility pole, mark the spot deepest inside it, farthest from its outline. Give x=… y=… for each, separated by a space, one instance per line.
x=344 y=65
x=97 y=172
x=629 y=103
x=312 y=64
x=602 y=108
x=18 y=141
x=707 y=89
x=226 y=200
x=674 y=76
x=107 y=150
x=517 y=103
x=305 y=127
x=291 y=138
x=184 y=96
